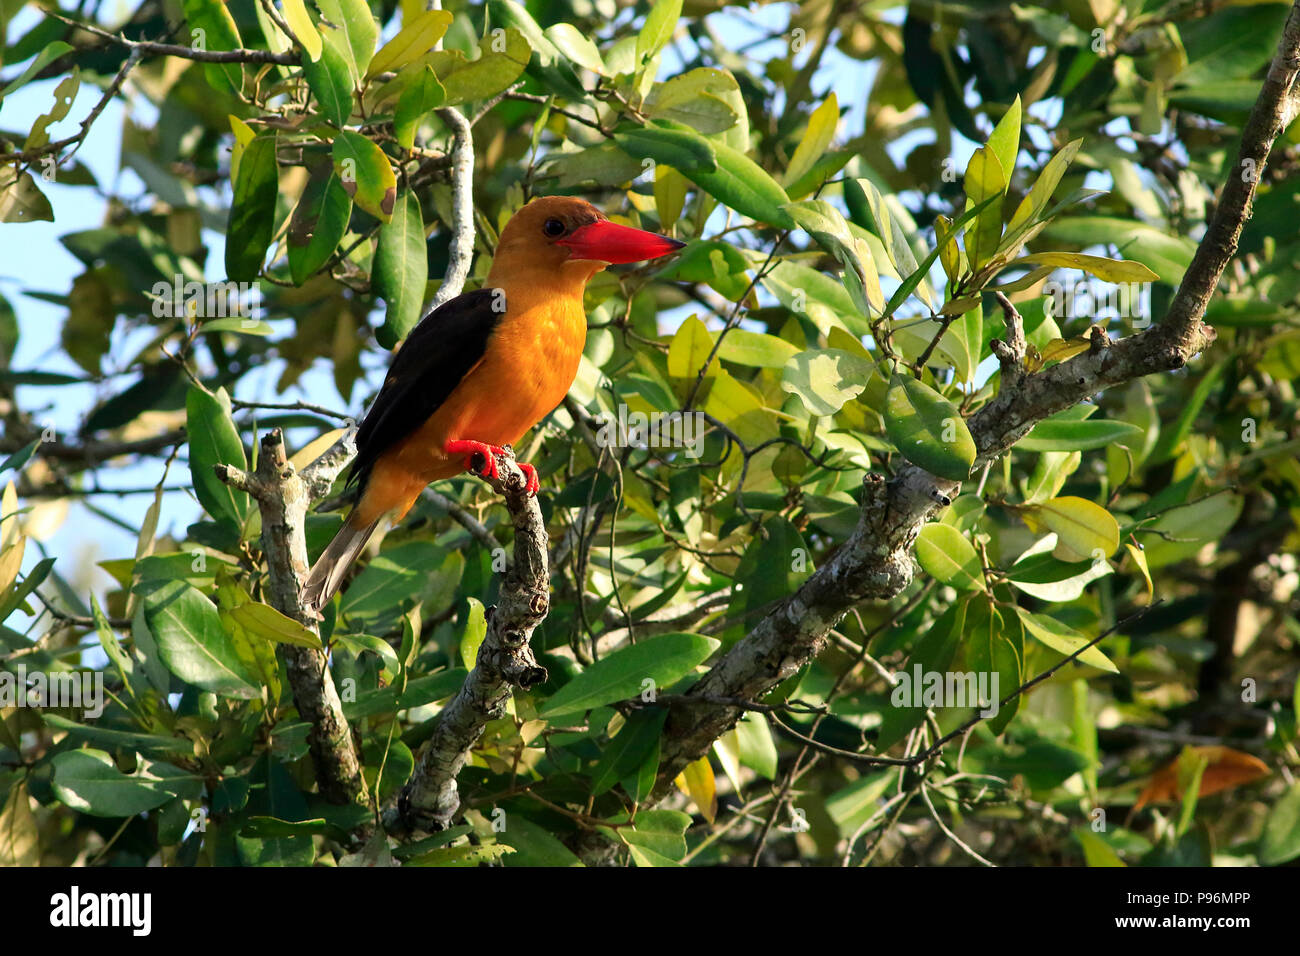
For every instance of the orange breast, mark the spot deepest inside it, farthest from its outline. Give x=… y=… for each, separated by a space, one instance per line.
x=527 y=368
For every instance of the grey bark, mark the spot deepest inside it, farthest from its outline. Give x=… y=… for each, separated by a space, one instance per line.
x=505 y=661
x=283 y=496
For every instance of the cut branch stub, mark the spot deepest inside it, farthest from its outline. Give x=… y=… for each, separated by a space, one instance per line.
x=283 y=496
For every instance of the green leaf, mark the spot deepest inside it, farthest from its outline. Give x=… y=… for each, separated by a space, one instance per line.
x=928 y=430
x=826 y=379
x=219 y=32
x=933 y=653
x=695 y=99
x=331 y=79
x=1281 y=838
x=88 y=781
x=1096 y=851
x=153 y=745
x=22 y=456
x=741 y=184
x=1039 y=574
x=413 y=41
x=420 y=96
x=475 y=631
x=755 y=349
x=945 y=554
x=51 y=52
x=20 y=198
x=319 y=223
x=16 y=596
x=985 y=181
x=994 y=645
x=914 y=274
x=1085 y=530
x=357 y=26
x=814 y=294
x=1172 y=438
x=757 y=748
x=1004 y=144
x=576 y=46
x=214 y=440
x=683 y=150
x=827 y=225
x=193 y=644
x=300 y=22
x=658 y=28
x=466 y=855
x=1168 y=256
x=1108 y=270
x=1063 y=639
x=471 y=80
x=401 y=270
x=266 y=622
x=660 y=831
x=636 y=744
x=664 y=660
x=816 y=140
x=534 y=845
x=242 y=326
x=1040 y=194
x=1062 y=434
x=252 y=210
x=605 y=165
x=365 y=173
x=542 y=58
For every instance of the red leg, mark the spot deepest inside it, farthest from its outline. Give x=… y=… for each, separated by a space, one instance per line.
x=471 y=448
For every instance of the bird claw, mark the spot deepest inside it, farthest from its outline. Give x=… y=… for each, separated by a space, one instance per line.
x=530 y=473
x=489 y=452
x=471 y=448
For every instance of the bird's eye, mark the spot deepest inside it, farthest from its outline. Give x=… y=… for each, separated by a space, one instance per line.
x=553 y=228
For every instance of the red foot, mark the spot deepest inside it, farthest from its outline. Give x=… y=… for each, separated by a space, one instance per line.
x=471 y=448
x=489 y=452
x=531 y=474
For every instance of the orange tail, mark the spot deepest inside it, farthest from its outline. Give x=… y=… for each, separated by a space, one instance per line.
x=327 y=575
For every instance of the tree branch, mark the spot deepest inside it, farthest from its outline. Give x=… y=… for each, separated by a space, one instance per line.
x=284 y=495
x=876 y=560
x=505 y=661
x=462 y=206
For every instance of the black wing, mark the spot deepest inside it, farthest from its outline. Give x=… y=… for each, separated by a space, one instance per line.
x=437 y=355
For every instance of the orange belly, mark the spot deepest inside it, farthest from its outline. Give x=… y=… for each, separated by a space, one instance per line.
x=527 y=368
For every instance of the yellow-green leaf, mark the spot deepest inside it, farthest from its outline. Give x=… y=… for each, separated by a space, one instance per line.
x=1063 y=639
x=984 y=179
x=816 y=139
x=413 y=41
x=698 y=783
x=1140 y=559
x=1085 y=531
x=295 y=14
x=266 y=622
x=1108 y=270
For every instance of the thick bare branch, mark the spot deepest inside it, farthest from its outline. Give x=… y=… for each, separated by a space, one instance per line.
x=505 y=661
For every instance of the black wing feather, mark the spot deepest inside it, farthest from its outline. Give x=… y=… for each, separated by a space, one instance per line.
x=437 y=355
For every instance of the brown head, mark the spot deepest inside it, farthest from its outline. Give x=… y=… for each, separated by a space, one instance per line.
x=568 y=238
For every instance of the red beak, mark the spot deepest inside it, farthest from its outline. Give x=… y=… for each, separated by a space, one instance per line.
x=609 y=242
